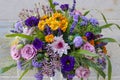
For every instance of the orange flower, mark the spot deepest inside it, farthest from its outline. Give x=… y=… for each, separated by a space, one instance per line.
x=104 y=49
x=92 y=42
x=44 y=17
x=49 y=38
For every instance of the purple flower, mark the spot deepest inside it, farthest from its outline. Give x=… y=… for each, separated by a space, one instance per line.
x=83 y=23
x=73 y=26
x=67 y=62
x=73 y=7
x=18 y=27
x=94 y=21
x=82 y=72
x=39 y=76
x=77 y=41
x=90 y=36
x=37 y=43
x=47 y=30
x=31 y=21
x=19 y=64
x=102 y=62
x=75 y=17
x=64 y=7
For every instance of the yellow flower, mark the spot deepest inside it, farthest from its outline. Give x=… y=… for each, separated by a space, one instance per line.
x=49 y=38
x=44 y=17
x=15 y=42
x=41 y=25
x=54 y=25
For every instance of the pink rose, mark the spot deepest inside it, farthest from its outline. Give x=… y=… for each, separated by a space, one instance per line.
x=15 y=53
x=82 y=72
x=28 y=52
x=88 y=47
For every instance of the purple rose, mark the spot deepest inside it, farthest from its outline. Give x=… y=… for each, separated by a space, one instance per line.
x=28 y=51
x=78 y=41
x=82 y=72
x=89 y=47
x=15 y=53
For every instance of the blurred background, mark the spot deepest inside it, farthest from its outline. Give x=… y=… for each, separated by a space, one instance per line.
x=9 y=11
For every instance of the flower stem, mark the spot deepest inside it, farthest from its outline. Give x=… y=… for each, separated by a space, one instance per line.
x=81 y=78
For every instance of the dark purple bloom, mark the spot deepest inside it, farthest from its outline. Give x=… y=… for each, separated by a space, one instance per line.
x=67 y=63
x=101 y=44
x=37 y=43
x=73 y=26
x=47 y=30
x=90 y=36
x=64 y=7
x=32 y=21
x=94 y=21
x=36 y=64
x=39 y=76
x=18 y=27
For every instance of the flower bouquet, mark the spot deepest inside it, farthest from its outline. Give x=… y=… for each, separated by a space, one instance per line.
x=62 y=39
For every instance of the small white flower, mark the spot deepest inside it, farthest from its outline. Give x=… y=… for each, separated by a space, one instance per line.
x=59 y=46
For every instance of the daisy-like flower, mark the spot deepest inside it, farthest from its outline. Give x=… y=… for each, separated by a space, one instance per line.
x=59 y=46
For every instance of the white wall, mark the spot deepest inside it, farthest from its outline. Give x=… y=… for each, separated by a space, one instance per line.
x=9 y=10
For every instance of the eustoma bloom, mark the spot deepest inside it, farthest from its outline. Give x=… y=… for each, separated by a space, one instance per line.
x=28 y=51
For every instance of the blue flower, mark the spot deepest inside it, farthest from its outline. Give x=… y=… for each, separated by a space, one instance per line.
x=31 y=21
x=68 y=63
x=84 y=21
x=94 y=21
x=37 y=43
x=64 y=7
x=77 y=41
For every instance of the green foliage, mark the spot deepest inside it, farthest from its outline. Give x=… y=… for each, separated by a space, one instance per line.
x=20 y=78
x=20 y=35
x=95 y=66
x=87 y=12
x=52 y=5
x=106 y=40
x=5 y=69
x=109 y=68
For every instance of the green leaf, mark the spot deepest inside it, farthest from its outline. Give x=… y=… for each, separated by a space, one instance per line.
x=106 y=26
x=109 y=68
x=84 y=52
x=87 y=12
x=95 y=66
x=52 y=5
x=5 y=69
x=23 y=74
x=20 y=35
x=104 y=18
x=106 y=40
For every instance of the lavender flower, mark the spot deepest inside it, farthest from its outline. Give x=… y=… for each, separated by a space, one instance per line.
x=19 y=65
x=37 y=43
x=31 y=21
x=64 y=7
x=102 y=62
x=73 y=26
x=77 y=41
x=73 y=7
x=39 y=76
x=75 y=17
x=94 y=21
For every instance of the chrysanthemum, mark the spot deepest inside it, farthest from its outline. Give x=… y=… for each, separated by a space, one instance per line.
x=59 y=46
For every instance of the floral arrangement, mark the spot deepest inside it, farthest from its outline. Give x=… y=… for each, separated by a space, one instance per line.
x=62 y=39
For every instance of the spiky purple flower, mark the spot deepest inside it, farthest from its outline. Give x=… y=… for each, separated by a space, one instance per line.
x=73 y=26
x=84 y=21
x=36 y=64
x=31 y=21
x=39 y=76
